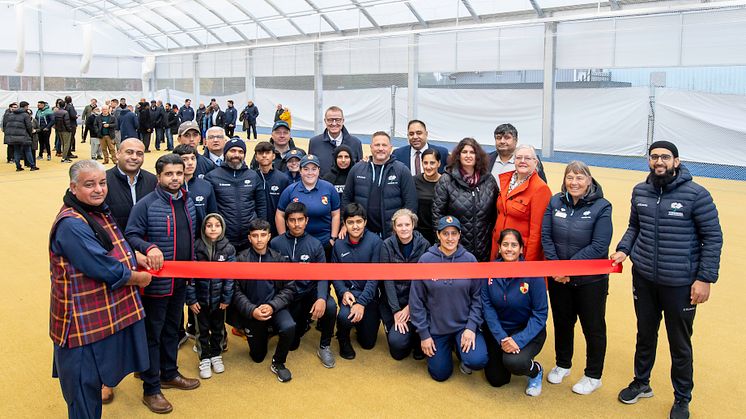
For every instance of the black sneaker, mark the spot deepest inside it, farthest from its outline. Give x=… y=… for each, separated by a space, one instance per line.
x=346 y=350
x=283 y=374
x=417 y=354
x=634 y=392
x=679 y=410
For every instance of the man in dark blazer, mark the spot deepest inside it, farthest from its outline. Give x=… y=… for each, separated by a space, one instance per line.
x=417 y=136
x=127 y=182
x=502 y=160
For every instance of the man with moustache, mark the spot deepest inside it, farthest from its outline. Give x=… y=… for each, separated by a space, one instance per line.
x=191 y=135
x=162 y=227
x=128 y=182
x=411 y=155
x=674 y=240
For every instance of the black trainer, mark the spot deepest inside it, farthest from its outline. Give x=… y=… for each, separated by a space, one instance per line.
x=679 y=410
x=634 y=392
x=283 y=374
x=346 y=350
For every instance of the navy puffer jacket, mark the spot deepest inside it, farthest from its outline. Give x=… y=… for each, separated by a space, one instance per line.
x=397 y=292
x=240 y=197
x=674 y=235
x=580 y=231
x=397 y=188
x=211 y=292
x=152 y=224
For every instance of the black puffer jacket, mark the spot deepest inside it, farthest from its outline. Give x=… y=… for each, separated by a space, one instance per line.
x=17 y=127
x=474 y=208
x=397 y=292
x=337 y=176
x=211 y=292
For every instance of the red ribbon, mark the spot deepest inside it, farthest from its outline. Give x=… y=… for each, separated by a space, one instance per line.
x=384 y=271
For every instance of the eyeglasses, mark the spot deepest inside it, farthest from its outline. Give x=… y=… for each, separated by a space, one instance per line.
x=523 y=158
x=334 y=120
x=663 y=157
x=215 y=137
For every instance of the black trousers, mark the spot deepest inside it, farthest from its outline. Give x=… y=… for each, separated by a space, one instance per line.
x=367 y=327
x=501 y=365
x=162 y=317
x=229 y=131
x=257 y=334
x=44 y=143
x=653 y=301
x=250 y=127
x=85 y=132
x=145 y=138
x=400 y=344
x=300 y=311
x=586 y=302
x=210 y=331
x=72 y=138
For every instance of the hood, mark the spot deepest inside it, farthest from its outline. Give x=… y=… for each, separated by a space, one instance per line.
x=595 y=192
x=204 y=223
x=456 y=256
x=683 y=175
x=337 y=150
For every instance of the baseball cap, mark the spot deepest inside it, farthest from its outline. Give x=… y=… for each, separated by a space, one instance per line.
x=448 y=221
x=295 y=153
x=279 y=124
x=188 y=125
x=309 y=159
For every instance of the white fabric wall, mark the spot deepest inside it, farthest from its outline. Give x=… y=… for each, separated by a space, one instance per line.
x=706 y=127
x=80 y=98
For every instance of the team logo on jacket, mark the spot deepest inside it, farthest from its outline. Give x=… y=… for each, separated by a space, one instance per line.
x=199 y=198
x=274 y=188
x=675 y=207
x=524 y=287
x=305 y=258
x=295 y=199
x=221 y=258
x=325 y=200
x=392 y=177
x=587 y=213
x=247 y=181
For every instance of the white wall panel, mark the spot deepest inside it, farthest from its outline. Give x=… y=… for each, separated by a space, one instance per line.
x=284 y=61
x=364 y=56
x=478 y=50
x=585 y=44
x=263 y=62
x=715 y=38
x=304 y=58
x=394 y=54
x=336 y=57
x=652 y=41
x=437 y=52
x=522 y=48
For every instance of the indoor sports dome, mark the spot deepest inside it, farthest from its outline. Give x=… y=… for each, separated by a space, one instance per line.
x=607 y=83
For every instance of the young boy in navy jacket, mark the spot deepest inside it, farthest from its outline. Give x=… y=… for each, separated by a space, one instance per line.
x=358 y=299
x=312 y=300
x=259 y=304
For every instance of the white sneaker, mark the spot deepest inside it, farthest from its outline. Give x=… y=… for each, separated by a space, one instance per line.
x=217 y=364
x=204 y=369
x=557 y=374
x=586 y=385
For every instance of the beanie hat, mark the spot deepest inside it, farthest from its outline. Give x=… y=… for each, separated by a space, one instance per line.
x=667 y=145
x=234 y=142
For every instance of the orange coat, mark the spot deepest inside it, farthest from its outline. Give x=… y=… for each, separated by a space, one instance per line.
x=523 y=210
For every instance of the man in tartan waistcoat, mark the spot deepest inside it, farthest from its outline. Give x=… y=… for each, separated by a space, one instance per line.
x=95 y=315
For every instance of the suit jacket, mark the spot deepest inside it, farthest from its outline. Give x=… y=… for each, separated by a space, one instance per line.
x=402 y=154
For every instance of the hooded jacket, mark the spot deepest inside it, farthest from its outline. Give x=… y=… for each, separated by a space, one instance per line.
x=674 y=235
x=186 y=113
x=240 y=198
x=248 y=295
x=322 y=146
x=445 y=306
x=337 y=176
x=303 y=249
x=127 y=124
x=515 y=307
x=45 y=117
x=273 y=183
x=397 y=292
x=578 y=231
x=17 y=127
x=249 y=115
x=367 y=250
x=210 y=293
x=474 y=208
x=396 y=187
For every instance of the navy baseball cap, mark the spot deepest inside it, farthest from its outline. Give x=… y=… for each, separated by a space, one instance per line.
x=295 y=153
x=448 y=221
x=309 y=159
x=279 y=124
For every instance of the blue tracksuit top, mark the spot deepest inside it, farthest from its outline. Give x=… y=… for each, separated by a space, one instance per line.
x=445 y=306
x=367 y=250
x=515 y=307
x=303 y=249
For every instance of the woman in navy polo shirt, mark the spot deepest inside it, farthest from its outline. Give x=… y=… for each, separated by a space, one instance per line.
x=321 y=200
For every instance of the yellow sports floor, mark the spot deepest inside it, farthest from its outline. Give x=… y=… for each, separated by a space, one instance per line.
x=372 y=385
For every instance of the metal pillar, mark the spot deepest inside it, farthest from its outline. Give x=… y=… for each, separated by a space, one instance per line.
x=548 y=92
x=413 y=76
x=195 y=79
x=392 y=129
x=41 y=49
x=318 y=88
x=250 y=83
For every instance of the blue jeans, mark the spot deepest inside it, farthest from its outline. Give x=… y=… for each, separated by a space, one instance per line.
x=169 y=139
x=159 y=133
x=19 y=151
x=440 y=366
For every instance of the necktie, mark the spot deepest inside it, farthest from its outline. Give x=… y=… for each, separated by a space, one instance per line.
x=218 y=162
x=417 y=163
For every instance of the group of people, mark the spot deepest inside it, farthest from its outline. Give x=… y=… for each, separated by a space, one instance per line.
x=417 y=204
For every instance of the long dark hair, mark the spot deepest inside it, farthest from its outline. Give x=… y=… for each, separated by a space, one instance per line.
x=481 y=162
